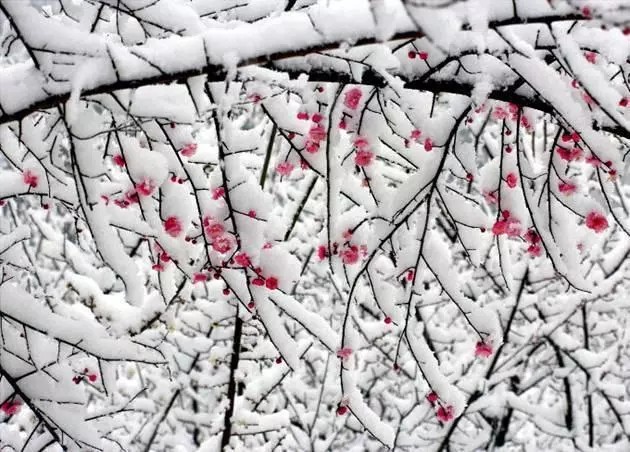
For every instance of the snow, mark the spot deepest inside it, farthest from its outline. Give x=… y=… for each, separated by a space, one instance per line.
x=21 y=307
x=368 y=286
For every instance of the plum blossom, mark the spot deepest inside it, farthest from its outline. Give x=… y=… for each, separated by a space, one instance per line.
x=242 y=259
x=499 y=113
x=344 y=353
x=593 y=161
x=511 y=180
x=317 y=133
x=573 y=136
x=361 y=142
x=271 y=283
x=189 y=150
x=445 y=414
x=199 y=277
x=567 y=188
x=118 y=160
x=352 y=98
x=312 y=147
x=213 y=228
x=145 y=187
x=10 y=408
x=491 y=197
x=322 y=252
x=222 y=244
x=350 y=254
x=363 y=158
x=596 y=221
x=30 y=178
x=612 y=174
x=569 y=154
x=173 y=226
x=534 y=250
x=483 y=349
x=284 y=168
x=509 y=226
x=218 y=193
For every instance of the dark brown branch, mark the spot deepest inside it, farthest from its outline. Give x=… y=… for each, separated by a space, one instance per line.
x=217 y=73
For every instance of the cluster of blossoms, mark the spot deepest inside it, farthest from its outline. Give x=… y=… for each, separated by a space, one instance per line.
x=351 y=101
x=507 y=225
x=444 y=413
x=419 y=54
x=316 y=133
x=570 y=150
x=349 y=253
x=162 y=258
x=534 y=249
x=363 y=156
x=220 y=240
x=414 y=136
x=145 y=187
x=270 y=282
x=128 y=198
x=511 y=112
x=86 y=374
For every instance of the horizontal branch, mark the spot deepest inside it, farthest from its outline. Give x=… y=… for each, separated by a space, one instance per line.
x=108 y=80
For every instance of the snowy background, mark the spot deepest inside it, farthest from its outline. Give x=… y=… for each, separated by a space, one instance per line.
x=314 y=225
